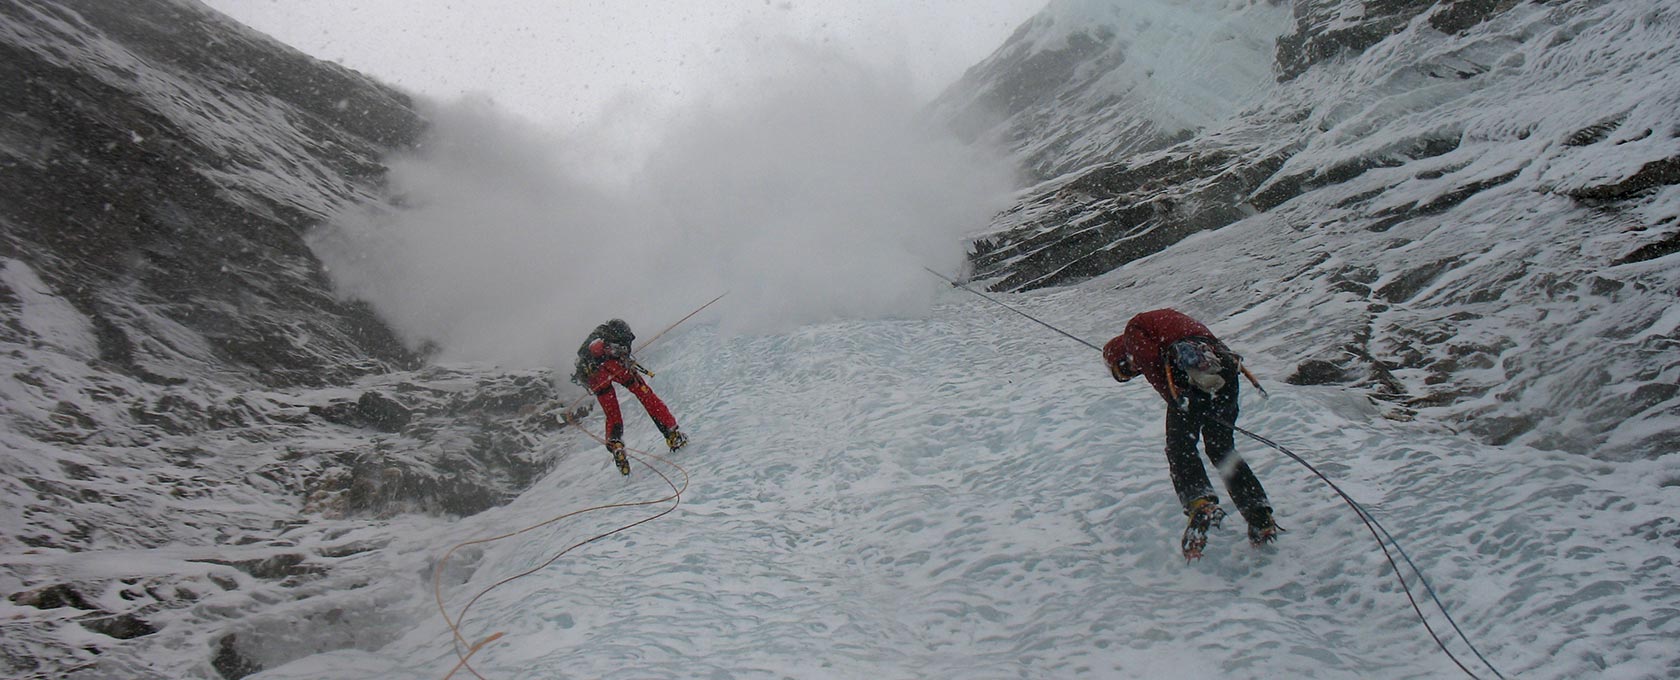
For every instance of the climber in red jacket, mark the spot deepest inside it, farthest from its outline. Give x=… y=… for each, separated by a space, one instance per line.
x=604 y=359
x=1198 y=377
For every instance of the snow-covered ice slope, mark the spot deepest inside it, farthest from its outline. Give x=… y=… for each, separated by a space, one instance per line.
x=1091 y=81
x=969 y=495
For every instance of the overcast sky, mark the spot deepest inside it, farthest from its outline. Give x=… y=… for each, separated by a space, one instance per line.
x=563 y=62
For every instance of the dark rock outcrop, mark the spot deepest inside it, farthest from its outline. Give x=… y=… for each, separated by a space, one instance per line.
x=229 y=662
x=1322 y=31
x=1318 y=372
x=119 y=626
x=52 y=597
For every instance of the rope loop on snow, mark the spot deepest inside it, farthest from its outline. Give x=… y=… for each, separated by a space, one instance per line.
x=675 y=497
x=1370 y=520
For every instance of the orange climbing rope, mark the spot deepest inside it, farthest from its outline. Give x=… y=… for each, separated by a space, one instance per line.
x=474 y=650
x=437 y=576
x=675 y=497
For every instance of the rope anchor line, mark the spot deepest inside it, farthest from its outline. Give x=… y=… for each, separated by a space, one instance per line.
x=1376 y=528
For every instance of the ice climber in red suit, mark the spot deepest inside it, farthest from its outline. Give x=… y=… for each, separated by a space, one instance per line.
x=604 y=359
x=1198 y=377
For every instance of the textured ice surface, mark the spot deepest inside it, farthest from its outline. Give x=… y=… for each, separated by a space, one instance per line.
x=969 y=495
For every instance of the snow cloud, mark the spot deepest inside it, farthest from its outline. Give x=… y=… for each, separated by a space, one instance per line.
x=806 y=185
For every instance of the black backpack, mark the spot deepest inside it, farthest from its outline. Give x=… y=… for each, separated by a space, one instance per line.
x=614 y=332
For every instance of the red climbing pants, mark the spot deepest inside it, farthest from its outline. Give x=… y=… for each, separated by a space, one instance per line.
x=614 y=371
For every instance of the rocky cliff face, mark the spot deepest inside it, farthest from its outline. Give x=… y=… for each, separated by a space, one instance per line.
x=1476 y=198
x=192 y=420
x=162 y=166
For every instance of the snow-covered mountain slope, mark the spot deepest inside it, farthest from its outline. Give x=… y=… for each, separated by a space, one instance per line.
x=162 y=166
x=179 y=386
x=1088 y=81
x=132 y=549
x=1488 y=215
x=211 y=467
x=970 y=495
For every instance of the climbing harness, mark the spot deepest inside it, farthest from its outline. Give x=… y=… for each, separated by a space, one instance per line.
x=675 y=498
x=1376 y=528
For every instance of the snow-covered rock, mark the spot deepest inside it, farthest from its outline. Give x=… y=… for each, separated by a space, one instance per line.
x=181 y=392
x=1472 y=201
x=1088 y=81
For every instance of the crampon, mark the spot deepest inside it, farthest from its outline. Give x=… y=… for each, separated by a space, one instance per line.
x=619 y=457
x=1204 y=515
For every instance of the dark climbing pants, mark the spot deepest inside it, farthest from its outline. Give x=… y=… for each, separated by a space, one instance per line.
x=1201 y=420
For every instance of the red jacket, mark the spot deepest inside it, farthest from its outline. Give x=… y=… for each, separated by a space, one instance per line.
x=1146 y=338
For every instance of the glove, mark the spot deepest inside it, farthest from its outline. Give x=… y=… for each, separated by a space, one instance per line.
x=1121 y=369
